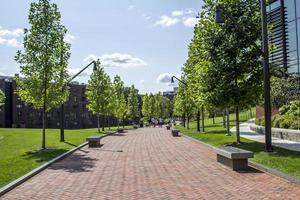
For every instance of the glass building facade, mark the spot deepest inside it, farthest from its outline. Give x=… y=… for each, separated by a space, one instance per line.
x=284 y=18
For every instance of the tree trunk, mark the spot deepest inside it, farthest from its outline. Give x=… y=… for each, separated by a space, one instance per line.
x=44 y=115
x=44 y=129
x=183 y=117
x=202 y=110
x=227 y=121
x=237 y=124
x=213 y=118
x=98 y=122
x=188 y=122
x=224 y=119
x=103 y=124
x=198 y=121
x=123 y=122
x=118 y=121
x=108 y=123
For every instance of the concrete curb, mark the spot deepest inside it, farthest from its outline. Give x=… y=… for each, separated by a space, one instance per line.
x=35 y=171
x=255 y=165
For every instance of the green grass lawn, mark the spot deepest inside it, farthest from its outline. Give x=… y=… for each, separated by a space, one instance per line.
x=282 y=160
x=20 y=149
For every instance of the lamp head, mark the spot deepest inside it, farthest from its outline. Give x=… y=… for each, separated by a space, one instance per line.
x=95 y=66
x=172 y=79
x=218 y=14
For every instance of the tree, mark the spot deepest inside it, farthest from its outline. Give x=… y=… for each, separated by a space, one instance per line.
x=146 y=107
x=119 y=103
x=229 y=55
x=44 y=60
x=184 y=104
x=2 y=99
x=98 y=93
x=133 y=104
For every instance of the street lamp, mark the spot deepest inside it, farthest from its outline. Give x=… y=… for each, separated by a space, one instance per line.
x=266 y=69
x=62 y=109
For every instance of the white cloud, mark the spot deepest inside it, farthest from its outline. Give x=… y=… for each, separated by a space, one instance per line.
x=178 y=13
x=190 y=21
x=117 y=60
x=11 y=33
x=142 y=81
x=69 y=38
x=166 y=21
x=9 y=37
x=131 y=7
x=10 y=42
x=73 y=71
x=164 y=78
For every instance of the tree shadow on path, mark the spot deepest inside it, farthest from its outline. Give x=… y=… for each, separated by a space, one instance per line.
x=75 y=163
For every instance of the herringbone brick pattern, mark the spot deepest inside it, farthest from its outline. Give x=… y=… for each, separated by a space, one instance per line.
x=153 y=165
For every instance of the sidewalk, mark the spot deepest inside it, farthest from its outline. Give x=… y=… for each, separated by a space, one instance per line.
x=152 y=165
x=251 y=135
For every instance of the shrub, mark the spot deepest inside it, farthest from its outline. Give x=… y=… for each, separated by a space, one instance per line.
x=293 y=108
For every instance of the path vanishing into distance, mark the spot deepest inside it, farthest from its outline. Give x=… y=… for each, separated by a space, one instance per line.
x=149 y=163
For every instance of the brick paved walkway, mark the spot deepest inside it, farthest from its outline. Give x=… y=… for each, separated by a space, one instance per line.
x=153 y=165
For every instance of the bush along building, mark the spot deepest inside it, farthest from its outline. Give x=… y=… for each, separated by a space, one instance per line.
x=17 y=114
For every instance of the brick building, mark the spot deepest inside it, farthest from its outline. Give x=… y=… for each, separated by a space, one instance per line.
x=16 y=113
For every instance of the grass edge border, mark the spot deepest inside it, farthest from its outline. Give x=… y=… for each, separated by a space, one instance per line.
x=255 y=165
x=10 y=186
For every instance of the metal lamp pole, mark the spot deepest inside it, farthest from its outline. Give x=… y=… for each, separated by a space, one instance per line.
x=266 y=69
x=62 y=109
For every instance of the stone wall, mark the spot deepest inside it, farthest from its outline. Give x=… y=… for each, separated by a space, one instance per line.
x=287 y=134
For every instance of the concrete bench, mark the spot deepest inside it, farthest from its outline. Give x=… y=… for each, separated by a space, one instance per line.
x=120 y=130
x=94 y=141
x=175 y=132
x=235 y=158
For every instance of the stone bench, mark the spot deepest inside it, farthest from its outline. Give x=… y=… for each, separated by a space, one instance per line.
x=235 y=158
x=120 y=130
x=175 y=132
x=94 y=141
x=168 y=127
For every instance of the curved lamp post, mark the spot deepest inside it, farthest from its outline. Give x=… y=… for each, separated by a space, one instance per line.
x=62 y=109
x=266 y=74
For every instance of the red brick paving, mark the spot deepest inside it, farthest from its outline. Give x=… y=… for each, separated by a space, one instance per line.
x=153 y=165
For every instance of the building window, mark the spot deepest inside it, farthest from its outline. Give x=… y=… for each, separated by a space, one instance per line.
x=292 y=37
x=290 y=8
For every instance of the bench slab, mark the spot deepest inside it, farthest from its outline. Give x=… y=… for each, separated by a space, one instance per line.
x=94 y=141
x=235 y=158
x=175 y=132
x=233 y=152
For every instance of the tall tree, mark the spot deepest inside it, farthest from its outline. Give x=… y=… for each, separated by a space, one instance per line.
x=184 y=104
x=98 y=93
x=2 y=99
x=145 y=107
x=119 y=101
x=44 y=60
x=227 y=55
x=133 y=104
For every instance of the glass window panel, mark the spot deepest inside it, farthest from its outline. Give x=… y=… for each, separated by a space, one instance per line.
x=293 y=69
x=290 y=6
x=298 y=8
x=275 y=4
x=291 y=32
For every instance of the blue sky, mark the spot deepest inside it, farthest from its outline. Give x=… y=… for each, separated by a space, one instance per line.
x=142 y=41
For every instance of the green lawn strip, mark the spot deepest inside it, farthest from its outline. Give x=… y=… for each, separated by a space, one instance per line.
x=20 y=148
x=281 y=159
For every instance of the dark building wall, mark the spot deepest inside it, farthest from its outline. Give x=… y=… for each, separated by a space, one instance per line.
x=6 y=109
x=20 y=115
